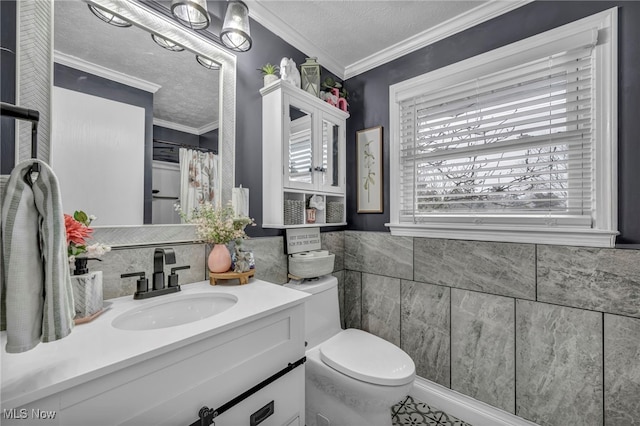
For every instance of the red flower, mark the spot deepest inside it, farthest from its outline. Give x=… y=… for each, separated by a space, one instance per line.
x=76 y=231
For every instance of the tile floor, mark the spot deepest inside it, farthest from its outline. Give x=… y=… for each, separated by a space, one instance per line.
x=412 y=412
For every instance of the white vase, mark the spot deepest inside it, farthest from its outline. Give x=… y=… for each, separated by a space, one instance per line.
x=270 y=78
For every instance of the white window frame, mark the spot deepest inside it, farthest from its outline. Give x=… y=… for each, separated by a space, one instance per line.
x=520 y=228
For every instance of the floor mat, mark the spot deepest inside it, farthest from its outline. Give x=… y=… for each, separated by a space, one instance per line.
x=412 y=412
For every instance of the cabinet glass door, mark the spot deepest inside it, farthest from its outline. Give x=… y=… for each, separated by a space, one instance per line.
x=300 y=149
x=331 y=160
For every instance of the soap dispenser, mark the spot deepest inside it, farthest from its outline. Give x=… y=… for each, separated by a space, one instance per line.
x=87 y=288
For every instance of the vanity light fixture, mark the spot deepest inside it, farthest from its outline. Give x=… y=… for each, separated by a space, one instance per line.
x=191 y=13
x=167 y=44
x=108 y=17
x=207 y=63
x=235 y=33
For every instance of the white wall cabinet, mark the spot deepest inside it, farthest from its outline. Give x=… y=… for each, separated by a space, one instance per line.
x=303 y=151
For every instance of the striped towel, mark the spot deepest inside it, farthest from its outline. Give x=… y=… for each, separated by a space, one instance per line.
x=36 y=297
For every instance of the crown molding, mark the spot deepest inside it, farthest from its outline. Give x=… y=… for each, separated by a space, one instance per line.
x=469 y=19
x=187 y=129
x=475 y=16
x=100 y=71
x=280 y=28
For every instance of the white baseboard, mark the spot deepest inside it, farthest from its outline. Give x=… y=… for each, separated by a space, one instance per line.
x=463 y=407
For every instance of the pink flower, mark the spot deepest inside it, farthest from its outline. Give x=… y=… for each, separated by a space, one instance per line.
x=76 y=231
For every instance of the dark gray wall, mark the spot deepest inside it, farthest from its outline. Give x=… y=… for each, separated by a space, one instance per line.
x=80 y=81
x=7 y=83
x=370 y=94
x=164 y=152
x=209 y=140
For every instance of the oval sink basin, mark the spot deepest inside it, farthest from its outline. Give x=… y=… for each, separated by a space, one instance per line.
x=182 y=310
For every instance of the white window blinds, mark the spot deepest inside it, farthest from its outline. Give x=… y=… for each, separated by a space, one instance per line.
x=518 y=141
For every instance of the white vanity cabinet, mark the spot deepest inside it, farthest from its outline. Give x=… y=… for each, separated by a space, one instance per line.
x=303 y=151
x=171 y=385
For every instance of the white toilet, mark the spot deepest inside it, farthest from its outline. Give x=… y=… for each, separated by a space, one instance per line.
x=353 y=378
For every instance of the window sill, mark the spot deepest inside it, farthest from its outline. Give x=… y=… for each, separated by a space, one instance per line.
x=513 y=234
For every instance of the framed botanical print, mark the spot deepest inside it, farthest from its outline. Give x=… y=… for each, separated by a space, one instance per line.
x=369 y=170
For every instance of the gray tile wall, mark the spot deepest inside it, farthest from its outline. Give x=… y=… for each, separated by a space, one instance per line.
x=122 y=261
x=426 y=328
x=483 y=347
x=559 y=364
x=550 y=333
x=381 y=306
x=621 y=370
x=271 y=263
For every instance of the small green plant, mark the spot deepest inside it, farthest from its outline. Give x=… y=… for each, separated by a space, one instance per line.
x=269 y=69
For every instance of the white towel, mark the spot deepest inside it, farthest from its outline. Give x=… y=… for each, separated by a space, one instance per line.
x=36 y=302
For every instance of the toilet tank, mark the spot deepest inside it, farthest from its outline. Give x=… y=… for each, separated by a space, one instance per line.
x=322 y=313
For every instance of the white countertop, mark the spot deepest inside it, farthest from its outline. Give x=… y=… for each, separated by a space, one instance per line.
x=97 y=348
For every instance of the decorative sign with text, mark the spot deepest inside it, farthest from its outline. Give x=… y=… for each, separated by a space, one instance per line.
x=302 y=239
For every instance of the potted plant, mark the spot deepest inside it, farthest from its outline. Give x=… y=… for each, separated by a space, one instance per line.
x=329 y=83
x=334 y=93
x=269 y=73
x=217 y=226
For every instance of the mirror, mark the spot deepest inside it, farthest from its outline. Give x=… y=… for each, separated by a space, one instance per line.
x=184 y=104
x=300 y=146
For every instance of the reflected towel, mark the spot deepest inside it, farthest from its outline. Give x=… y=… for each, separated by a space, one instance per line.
x=36 y=297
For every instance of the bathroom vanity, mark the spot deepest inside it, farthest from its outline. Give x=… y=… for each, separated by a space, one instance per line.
x=154 y=362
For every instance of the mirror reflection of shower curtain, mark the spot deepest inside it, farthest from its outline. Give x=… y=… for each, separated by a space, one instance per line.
x=198 y=179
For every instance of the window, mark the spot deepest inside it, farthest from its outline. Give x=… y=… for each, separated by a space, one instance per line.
x=517 y=144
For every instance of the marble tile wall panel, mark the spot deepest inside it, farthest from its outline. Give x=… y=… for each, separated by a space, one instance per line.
x=605 y=280
x=271 y=262
x=352 y=299
x=483 y=347
x=558 y=364
x=381 y=306
x=340 y=276
x=425 y=329
x=506 y=269
x=379 y=253
x=118 y=262
x=621 y=371
x=334 y=242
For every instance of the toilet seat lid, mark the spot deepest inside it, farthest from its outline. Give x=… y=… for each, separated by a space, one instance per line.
x=366 y=357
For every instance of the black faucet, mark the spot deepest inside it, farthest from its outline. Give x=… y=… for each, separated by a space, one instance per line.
x=160 y=256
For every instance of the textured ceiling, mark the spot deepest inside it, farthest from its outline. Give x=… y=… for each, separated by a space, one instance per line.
x=188 y=93
x=351 y=30
x=345 y=31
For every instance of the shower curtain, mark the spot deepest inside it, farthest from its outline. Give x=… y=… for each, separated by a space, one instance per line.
x=199 y=179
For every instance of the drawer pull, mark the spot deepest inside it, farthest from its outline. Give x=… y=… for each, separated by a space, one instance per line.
x=261 y=415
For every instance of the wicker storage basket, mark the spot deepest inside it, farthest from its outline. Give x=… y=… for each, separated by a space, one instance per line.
x=310 y=266
x=293 y=212
x=335 y=211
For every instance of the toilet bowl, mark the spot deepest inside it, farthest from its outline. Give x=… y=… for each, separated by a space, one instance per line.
x=352 y=377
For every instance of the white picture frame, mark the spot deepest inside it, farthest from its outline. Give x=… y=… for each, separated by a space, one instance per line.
x=370 y=181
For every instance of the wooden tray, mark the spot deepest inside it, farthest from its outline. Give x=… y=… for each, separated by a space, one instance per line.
x=243 y=277
x=84 y=320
